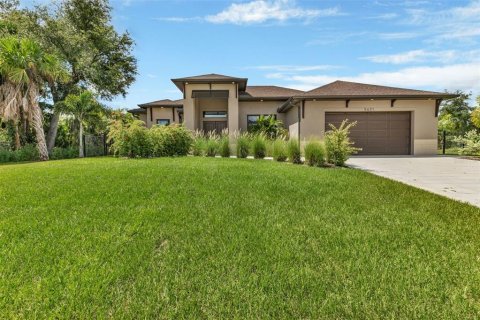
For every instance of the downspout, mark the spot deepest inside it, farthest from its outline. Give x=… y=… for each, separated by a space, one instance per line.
x=299 y=113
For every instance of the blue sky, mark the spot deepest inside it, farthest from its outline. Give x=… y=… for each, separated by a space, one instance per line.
x=431 y=45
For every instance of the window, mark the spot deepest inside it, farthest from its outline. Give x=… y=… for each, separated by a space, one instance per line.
x=253 y=118
x=214 y=114
x=163 y=122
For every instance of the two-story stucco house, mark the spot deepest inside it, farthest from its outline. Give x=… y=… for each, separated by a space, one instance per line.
x=389 y=120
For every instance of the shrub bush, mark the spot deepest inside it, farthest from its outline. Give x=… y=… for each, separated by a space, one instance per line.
x=28 y=152
x=279 y=152
x=63 y=153
x=169 y=141
x=338 y=145
x=259 y=146
x=224 y=146
x=470 y=142
x=243 y=145
x=314 y=154
x=293 y=151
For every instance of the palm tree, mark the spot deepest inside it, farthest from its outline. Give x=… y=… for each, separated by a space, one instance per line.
x=24 y=69
x=81 y=106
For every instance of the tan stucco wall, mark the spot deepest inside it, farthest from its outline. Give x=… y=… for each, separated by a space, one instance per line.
x=160 y=113
x=424 y=122
x=291 y=122
x=143 y=117
x=202 y=105
x=258 y=108
x=192 y=113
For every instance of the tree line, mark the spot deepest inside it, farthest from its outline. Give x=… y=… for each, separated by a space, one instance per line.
x=60 y=59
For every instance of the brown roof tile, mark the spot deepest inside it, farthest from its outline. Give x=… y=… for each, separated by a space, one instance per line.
x=163 y=103
x=354 y=89
x=211 y=77
x=268 y=92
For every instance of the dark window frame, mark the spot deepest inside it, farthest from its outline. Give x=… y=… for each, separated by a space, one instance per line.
x=215 y=114
x=158 y=120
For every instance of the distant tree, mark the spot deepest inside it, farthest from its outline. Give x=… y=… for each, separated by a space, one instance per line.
x=455 y=114
x=81 y=106
x=475 y=116
x=24 y=70
x=81 y=33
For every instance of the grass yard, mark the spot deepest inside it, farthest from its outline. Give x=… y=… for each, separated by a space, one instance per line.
x=225 y=238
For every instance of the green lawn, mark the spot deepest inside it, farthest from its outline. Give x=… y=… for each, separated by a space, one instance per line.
x=225 y=238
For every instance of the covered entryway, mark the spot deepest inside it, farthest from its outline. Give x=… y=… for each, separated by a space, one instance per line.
x=215 y=126
x=377 y=133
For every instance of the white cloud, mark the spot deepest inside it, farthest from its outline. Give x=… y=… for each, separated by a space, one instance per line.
x=384 y=16
x=442 y=56
x=259 y=11
x=465 y=76
x=457 y=23
x=294 y=68
x=414 y=56
x=178 y=19
x=397 y=35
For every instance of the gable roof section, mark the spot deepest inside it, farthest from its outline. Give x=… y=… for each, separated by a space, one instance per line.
x=210 y=78
x=345 y=89
x=163 y=103
x=268 y=93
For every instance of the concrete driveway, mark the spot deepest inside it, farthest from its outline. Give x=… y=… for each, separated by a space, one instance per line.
x=451 y=177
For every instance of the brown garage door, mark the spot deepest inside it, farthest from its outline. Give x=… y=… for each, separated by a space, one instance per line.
x=376 y=132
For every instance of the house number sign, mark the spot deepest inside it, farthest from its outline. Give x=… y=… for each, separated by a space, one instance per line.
x=368 y=109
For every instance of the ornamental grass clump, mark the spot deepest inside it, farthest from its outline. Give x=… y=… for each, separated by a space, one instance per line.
x=211 y=145
x=259 y=146
x=198 y=144
x=243 y=145
x=314 y=153
x=293 y=151
x=224 y=144
x=338 y=145
x=279 y=151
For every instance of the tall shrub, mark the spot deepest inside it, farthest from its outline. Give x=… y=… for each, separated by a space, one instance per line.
x=314 y=153
x=168 y=141
x=211 y=145
x=293 y=151
x=338 y=144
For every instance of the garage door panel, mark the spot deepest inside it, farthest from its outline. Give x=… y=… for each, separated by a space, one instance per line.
x=377 y=132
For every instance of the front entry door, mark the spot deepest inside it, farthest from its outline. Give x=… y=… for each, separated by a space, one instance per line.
x=215 y=126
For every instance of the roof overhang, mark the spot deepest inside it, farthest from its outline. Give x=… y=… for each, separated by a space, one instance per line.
x=181 y=82
x=294 y=100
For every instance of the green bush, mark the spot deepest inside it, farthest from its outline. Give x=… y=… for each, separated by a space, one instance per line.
x=338 y=144
x=28 y=152
x=243 y=145
x=169 y=141
x=279 y=152
x=314 y=154
x=259 y=146
x=224 y=146
x=293 y=151
x=470 y=142
x=63 y=153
